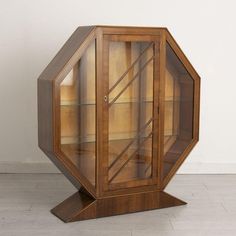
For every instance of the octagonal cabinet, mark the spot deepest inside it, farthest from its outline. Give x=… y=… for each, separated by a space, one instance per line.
x=118 y=113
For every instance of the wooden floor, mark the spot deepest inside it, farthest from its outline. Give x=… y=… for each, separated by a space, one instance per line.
x=25 y=201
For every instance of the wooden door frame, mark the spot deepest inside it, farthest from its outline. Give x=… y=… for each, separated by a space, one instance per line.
x=137 y=185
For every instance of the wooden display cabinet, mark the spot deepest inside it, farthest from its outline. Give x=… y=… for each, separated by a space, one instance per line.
x=118 y=113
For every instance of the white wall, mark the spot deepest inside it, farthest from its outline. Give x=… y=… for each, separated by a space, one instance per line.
x=31 y=33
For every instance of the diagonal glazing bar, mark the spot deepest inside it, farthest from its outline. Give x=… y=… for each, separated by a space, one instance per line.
x=148 y=167
x=136 y=75
x=131 y=66
x=130 y=143
x=131 y=156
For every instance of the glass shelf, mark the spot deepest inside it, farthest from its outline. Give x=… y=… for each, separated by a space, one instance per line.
x=91 y=138
x=178 y=99
x=75 y=103
x=92 y=103
x=168 y=99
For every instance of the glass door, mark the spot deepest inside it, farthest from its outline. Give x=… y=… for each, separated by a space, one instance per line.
x=130 y=65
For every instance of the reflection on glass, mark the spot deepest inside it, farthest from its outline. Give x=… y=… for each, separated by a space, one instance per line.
x=178 y=127
x=130 y=111
x=77 y=92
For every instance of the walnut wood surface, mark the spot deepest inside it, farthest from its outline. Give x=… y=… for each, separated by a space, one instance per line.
x=79 y=206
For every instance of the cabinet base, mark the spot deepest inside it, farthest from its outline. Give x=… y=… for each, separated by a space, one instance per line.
x=80 y=206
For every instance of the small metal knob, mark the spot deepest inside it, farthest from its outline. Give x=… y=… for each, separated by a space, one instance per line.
x=105 y=98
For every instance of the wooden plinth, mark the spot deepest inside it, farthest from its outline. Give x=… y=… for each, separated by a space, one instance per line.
x=80 y=206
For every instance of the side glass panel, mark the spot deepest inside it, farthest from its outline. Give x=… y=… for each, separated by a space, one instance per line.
x=130 y=111
x=178 y=116
x=78 y=121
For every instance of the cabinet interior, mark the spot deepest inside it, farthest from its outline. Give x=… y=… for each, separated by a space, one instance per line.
x=130 y=111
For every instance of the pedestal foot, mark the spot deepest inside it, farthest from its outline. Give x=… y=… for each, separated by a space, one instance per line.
x=80 y=206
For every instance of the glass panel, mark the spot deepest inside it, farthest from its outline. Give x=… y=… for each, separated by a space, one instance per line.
x=78 y=114
x=130 y=111
x=178 y=127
